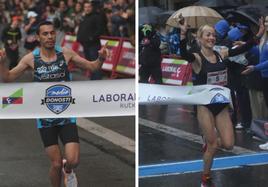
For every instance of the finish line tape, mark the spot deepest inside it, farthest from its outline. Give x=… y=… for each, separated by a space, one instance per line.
x=185 y=95
x=67 y=99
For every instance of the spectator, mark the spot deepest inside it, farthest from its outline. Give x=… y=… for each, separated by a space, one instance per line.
x=77 y=15
x=30 y=29
x=11 y=37
x=119 y=27
x=236 y=84
x=150 y=55
x=88 y=35
x=49 y=14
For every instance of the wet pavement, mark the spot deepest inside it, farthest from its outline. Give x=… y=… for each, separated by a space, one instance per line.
x=170 y=133
x=24 y=162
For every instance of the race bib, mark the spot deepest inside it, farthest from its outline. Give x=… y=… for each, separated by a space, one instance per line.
x=217 y=78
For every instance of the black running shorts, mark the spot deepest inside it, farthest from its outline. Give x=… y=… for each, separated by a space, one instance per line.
x=215 y=109
x=67 y=133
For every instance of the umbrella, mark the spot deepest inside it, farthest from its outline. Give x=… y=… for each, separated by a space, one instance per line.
x=251 y=13
x=260 y=2
x=195 y=16
x=219 y=3
x=163 y=17
x=149 y=14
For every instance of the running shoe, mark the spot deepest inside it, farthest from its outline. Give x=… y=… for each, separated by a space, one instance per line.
x=207 y=181
x=70 y=179
x=264 y=146
x=239 y=126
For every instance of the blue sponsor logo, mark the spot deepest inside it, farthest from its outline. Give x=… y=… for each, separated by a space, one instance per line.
x=58 y=98
x=219 y=98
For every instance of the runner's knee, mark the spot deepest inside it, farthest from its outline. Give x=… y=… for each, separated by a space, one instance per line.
x=212 y=144
x=57 y=164
x=228 y=145
x=73 y=162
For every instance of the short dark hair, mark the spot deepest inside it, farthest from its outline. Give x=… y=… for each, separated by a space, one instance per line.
x=43 y=23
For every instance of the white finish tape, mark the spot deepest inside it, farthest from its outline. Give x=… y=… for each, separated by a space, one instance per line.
x=188 y=95
x=67 y=99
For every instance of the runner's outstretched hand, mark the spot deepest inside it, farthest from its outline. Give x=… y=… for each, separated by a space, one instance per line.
x=103 y=52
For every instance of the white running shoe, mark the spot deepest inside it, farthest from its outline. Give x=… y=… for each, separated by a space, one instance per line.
x=264 y=146
x=70 y=179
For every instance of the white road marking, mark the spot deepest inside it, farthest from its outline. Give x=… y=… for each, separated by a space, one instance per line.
x=186 y=135
x=107 y=134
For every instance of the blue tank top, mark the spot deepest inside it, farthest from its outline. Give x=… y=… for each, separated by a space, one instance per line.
x=55 y=71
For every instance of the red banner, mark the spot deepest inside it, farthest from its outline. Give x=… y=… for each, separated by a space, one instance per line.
x=126 y=61
x=70 y=42
x=176 y=71
x=114 y=47
x=121 y=58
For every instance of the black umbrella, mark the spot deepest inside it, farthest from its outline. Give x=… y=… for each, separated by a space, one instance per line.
x=260 y=2
x=251 y=13
x=219 y=3
x=149 y=14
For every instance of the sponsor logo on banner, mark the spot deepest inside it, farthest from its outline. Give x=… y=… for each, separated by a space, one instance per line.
x=15 y=98
x=175 y=71
x=219 y=98
x=157 y=98
x=58 y=98
x=216 y=89
x=126 y=62
x=125 y=100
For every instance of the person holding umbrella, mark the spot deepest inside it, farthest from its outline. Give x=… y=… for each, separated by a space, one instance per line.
x=209 y=67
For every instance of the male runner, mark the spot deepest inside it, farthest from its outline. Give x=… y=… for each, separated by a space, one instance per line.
x=49 y=64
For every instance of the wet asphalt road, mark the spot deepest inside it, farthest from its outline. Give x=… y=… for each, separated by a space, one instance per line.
x=24 y=163
x=157 y=147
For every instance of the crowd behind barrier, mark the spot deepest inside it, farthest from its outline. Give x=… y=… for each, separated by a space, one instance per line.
x=115 y=19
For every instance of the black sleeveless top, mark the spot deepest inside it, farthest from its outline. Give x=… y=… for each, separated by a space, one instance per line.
x=211 y=73
x=55 y=71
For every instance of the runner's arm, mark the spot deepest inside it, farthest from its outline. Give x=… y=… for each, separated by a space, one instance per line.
x=190 y=57
x=10 y=75
x=86 y=64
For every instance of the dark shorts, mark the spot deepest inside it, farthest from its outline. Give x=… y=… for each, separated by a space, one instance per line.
x=215 y=109
x=66 y=133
